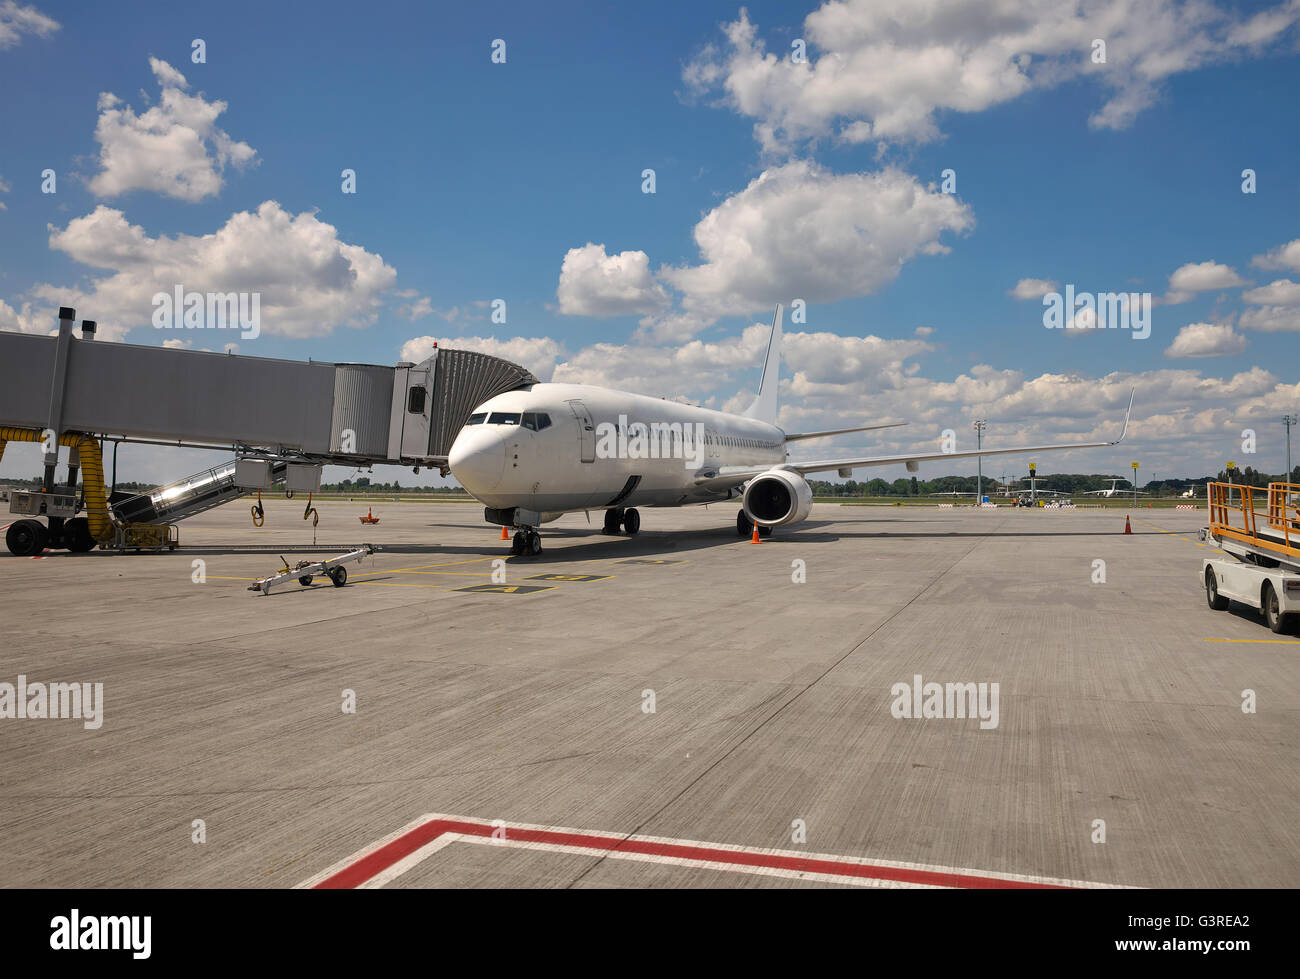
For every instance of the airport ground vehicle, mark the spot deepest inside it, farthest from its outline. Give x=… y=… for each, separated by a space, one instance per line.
x=1260 y=530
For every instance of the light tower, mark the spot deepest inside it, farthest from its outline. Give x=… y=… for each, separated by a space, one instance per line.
x=979 y=427
x=1288 y=421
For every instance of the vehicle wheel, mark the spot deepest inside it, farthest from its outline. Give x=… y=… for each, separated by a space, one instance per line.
x=1273 y=610
x=25 y=538
x=519 y=544
x=339 y=576
x=305 y=580
x=76 y=532
x=534 y=543
x=613 y=520
x=764 y=531
x=743 y=527
x=1212 y=596
x=631 y=521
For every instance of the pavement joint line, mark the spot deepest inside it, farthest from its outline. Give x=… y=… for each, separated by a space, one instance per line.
x=797 y=694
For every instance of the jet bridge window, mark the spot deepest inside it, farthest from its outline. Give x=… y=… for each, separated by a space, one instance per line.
x=415 y=400
x=535 y=421
x=503 y=418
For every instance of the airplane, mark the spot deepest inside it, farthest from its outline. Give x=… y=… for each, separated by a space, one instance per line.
x=1114 y=490
x=535 y=453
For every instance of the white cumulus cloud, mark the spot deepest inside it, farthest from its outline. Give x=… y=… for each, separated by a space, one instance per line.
x=174 y=148
x=1193 y=277
x=308 y=279
x=17 y=20
x=884 y=70
x=1206 y=340
x=1282 y=257
x=593 y=283
x=800 y=230
x=1032 y=288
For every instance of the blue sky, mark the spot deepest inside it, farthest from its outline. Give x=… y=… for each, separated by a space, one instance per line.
x=476 y=181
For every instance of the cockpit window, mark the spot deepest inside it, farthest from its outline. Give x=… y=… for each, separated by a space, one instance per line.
x=477 y=419
x=535 y=421
x=503 y=418
x=543 y=420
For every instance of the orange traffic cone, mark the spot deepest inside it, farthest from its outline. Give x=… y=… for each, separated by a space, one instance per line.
x=754 y=539
x=1127 y=528
x=504 y=535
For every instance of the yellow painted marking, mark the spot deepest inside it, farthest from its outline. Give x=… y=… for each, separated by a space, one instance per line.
x=1279 y=642
x=508 y=589
x=466 y=574
x=449 y=564
x=551 y=576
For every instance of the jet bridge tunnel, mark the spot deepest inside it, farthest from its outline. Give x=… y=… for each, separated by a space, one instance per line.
x=283 y=420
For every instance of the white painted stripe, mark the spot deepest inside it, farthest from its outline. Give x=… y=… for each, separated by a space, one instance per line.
x=419 y=856
x=411 y=860
x=365 y=851
x=702 y=864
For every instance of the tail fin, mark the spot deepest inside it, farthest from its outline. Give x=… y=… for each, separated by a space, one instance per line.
x=764 y=407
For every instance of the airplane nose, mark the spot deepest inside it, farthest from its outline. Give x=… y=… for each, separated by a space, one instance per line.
x=478 y=459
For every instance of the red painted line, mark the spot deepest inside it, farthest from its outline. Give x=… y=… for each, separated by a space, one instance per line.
x=374 y=863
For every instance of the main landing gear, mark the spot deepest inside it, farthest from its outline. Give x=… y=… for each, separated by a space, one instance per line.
x=628 y=519
x=745 y=528
x=526 y=541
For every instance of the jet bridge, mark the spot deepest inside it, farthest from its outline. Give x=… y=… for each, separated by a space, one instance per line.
x=283 y=419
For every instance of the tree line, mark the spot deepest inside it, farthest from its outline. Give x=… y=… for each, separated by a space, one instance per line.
x=1072 y=484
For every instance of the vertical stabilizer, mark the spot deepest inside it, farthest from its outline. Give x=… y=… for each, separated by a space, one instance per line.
x=764 y=407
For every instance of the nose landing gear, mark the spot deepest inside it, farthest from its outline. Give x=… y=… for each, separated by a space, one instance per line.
x=744 y=527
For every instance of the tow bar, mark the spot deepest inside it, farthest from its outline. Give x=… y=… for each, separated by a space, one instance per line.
x=304 y=571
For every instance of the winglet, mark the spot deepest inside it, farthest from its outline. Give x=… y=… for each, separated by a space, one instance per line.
x=764 y=406
x=1124 y=431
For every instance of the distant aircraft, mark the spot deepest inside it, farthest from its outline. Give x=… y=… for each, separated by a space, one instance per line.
x=1190 y=494
x=535 y=453
x=1114 y=490
x=1040 y=492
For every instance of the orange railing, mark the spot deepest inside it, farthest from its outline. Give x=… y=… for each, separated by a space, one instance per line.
x=1241 y=518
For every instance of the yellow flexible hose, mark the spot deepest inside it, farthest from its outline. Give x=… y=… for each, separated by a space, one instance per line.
x=92 y=474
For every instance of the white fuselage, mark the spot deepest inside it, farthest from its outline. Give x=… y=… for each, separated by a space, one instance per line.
x=594 y=454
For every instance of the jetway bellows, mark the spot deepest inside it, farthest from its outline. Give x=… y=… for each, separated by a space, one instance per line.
x=464 y=379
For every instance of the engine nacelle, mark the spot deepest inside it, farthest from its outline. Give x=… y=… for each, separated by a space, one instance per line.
x=777 y=497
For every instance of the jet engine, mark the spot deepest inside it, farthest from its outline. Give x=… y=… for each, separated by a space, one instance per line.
x=777 y=497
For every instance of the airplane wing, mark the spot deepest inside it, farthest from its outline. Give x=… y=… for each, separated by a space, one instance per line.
x=841 y=431
x=734 y=475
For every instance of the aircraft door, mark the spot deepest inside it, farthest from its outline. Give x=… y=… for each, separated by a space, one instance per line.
x=586 y=431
